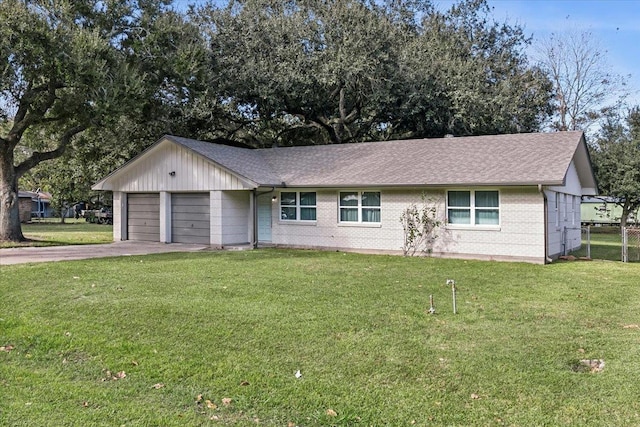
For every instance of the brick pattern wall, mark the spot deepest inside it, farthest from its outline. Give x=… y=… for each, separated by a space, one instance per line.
x=235 y=217
x=521 y=234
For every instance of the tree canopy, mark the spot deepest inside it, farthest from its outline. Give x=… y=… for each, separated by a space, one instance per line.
x=79 y=73
x=585 y=89
x=616 y=157
x=314 y=72
x=101 y=79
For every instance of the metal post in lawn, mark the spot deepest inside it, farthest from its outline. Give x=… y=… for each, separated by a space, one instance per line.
x=453 y=291
x=625 y=245
x=432 y=308
x=588 y=241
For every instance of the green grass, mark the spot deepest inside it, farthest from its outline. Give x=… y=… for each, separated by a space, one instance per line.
x=237 y=325
x=606 y=244
x=51 y=232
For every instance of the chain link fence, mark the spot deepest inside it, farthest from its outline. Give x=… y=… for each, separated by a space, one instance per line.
x=630 y=244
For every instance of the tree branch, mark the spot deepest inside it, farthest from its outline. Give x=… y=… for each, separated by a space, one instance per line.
x=26 y=115
x=39 y=157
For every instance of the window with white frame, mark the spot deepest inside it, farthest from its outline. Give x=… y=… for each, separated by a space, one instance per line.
x=360 y=206
x=468 y=207
x=298 y=206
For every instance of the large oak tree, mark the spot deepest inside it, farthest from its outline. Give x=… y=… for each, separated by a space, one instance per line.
x=88 y=78
x=313 y=72
x=100 y=80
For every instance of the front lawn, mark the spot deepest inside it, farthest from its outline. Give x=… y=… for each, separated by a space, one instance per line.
x=51 y=232
x=216 y=338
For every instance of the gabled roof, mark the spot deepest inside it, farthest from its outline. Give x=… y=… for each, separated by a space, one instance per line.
x=245 y=162
x=507 y=160
x=35 y=195
x=518 y=159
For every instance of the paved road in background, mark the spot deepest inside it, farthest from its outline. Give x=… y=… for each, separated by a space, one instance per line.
x=26 y=255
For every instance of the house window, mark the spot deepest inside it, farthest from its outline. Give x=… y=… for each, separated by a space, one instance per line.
x=360 y=206
x=298 y=206
x=473 y=207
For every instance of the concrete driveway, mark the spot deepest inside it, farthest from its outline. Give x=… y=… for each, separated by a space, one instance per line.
x=66 y=253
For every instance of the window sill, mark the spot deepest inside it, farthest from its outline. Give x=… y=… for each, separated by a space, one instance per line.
x=297 y=222
x=360 y=224
x=474 y=227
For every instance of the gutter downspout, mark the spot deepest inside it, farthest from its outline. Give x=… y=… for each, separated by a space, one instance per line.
x=547 y=260
x=256 y=194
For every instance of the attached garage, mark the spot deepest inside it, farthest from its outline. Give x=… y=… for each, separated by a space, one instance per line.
x=143 y=217
x=178 y=190
x=190 y=218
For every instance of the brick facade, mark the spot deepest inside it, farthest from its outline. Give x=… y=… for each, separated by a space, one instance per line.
x=519 y=236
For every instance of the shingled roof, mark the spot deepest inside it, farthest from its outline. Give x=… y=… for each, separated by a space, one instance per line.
x=505 y=160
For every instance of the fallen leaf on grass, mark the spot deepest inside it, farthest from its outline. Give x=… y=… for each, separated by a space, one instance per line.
x=199 y=398
x=7 y=348
x=634 y=326
x=109 y=376
x=226 y=401
x=595 y=365
x=244 y=383
x=210 y=404
x=331 y=413
x=158 y=386
x=475 y=396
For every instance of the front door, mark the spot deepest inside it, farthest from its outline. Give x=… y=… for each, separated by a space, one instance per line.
x=264 y=218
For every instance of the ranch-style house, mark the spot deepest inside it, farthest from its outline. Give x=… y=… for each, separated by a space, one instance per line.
x=501 y=197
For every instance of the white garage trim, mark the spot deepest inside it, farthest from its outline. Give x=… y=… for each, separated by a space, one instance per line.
x=190 y=218
x=143 y=217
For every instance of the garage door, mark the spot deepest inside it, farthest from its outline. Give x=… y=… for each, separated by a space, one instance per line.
x=190 y=221
x=143 y=217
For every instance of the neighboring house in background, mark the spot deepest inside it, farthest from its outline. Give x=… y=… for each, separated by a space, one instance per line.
x=24 y=206
x=34 y=204
x=604 y=210
x=502 y=197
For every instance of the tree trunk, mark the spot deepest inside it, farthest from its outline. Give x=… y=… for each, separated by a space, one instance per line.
x=63 y=210
x=626 y=209
x=10 y=229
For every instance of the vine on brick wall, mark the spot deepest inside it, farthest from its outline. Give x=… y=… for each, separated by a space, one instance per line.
x=419 y=225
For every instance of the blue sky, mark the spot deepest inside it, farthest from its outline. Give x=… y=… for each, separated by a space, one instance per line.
x=615 y=25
